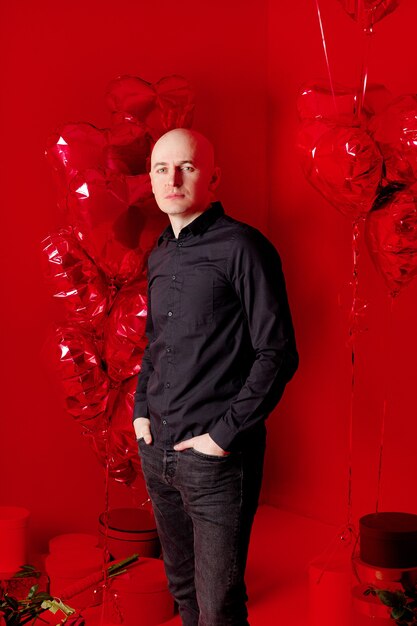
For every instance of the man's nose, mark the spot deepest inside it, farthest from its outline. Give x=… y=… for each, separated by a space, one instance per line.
x=175 y=178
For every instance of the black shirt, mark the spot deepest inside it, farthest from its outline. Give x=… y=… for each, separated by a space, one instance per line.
x=221 y=344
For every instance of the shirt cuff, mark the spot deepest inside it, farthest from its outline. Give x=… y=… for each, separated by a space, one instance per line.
x=140 y=410
x=222 y=434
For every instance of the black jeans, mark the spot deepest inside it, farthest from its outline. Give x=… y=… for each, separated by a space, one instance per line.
x=204 y=508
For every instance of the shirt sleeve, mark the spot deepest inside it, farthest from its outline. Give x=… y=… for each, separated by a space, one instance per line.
x=140 y=408
x=255 y=272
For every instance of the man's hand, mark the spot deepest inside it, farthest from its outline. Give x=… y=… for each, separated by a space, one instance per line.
x=142 y=426
x=202 y=443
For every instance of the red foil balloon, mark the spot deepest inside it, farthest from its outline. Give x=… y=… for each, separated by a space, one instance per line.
x=116 y=446
x=368 y=12
x=124 y=336
x=76 y=147
x=85 y=383
x=161 y=106
x=123 y=444
x=123 y=149
x=128 y=148
x=104 y=187
x=395 y=132
x=121 y=421
x=317 y=102
x=391 y=237
x=107 y=224
x=110 y=448
x=75 y=279
x=344 y=164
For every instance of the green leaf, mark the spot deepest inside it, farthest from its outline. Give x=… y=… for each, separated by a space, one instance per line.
x=43 y=595
x=390 y=598
x=27 y=571
x=32 y=591
x=55 y=605
x=385 y=597
x=409 y=615
x=121 y=565
x=11 y=602
x=13 y=618
x=398 y=612
x=49 y=604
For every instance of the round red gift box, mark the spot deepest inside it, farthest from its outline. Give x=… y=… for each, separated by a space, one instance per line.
x=389 y=539
x=68 y=542
x=13 y=523
x=384 y=577
x=130 y=531
x=142 y=594
x=68 y=567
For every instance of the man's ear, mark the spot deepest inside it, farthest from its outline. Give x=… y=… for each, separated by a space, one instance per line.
x=215 y=178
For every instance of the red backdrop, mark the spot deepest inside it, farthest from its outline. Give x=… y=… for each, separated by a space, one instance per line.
x=246 y=62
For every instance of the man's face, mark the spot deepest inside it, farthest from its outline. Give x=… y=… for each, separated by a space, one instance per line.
x=183 y=175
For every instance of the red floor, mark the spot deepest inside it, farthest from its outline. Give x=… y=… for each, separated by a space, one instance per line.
x=282 y=546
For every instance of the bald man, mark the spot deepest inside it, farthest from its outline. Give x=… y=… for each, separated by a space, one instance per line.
x=220 y=351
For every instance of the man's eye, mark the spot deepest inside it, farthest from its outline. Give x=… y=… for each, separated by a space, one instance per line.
x=161 y=170
x=188 y=167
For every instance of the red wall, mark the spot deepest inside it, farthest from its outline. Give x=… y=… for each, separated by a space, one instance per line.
x=308 y=457
x=246 y=62
x=57 y=61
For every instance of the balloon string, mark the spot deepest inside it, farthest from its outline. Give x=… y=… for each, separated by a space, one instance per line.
x=326 y=56
x=352 y=333
x=384 y=409
x=360 y=98
x=106 y=523
x=344 y=537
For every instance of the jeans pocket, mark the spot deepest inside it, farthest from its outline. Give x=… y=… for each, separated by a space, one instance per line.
x=210 y=457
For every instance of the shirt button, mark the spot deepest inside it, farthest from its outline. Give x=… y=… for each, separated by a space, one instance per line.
x=168 y=349
x=167 y=385
x=164 y=422
x=170 y=313
x=173 y=277
x=179 y=244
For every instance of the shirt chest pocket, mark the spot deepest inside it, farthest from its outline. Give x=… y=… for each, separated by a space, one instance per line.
x=197 y=296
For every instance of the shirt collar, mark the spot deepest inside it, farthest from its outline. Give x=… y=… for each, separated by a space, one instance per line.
x=199 y=224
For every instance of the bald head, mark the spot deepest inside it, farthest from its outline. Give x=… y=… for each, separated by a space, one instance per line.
x=184 y=138
x=183 y=172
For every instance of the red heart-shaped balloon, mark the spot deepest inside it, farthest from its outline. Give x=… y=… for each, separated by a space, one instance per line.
x=317 y=101
x=112 y=219
x=391 y=237
x=85 y=383
x=395 y=131
x=105 y=190
x=343 y=163
x=161 y=106
x=124 y=458
x=123 y=149
x=74 y=279
x=124 y=335
x=116 y=446
x=109 y=201
x=369 y=12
